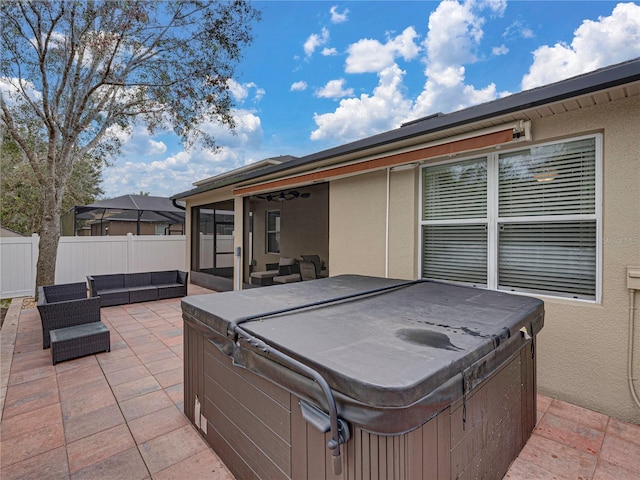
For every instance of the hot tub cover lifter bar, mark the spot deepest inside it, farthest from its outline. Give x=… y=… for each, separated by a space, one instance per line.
x=338 y=427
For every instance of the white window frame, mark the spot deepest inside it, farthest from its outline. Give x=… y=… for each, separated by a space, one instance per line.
x=269 y=232
x=493 y=221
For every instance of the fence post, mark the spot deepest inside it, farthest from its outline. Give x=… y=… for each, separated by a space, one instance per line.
x=35 y=242
x=129 y=251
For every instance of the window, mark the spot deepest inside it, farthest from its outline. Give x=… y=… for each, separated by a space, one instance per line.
x=273 y=231
x=523 y=221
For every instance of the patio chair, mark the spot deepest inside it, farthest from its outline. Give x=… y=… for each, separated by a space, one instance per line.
x=307 y=271
x=317 y=263
x=65 y=305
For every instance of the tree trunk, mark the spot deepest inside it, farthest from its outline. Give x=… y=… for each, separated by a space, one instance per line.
x=49 y=237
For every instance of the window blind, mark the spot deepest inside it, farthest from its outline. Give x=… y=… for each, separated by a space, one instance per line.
x=548 y=258
x=455 y=191
x=456 y=253
x=554 y=179
x=541 y=224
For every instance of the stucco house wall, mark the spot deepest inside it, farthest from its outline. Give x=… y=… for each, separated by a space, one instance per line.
x=356 y=222
x=582 y=350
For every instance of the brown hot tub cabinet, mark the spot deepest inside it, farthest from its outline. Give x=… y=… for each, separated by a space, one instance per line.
x=359 y=377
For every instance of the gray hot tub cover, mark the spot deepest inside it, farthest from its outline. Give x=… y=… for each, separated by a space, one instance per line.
x=393 y=358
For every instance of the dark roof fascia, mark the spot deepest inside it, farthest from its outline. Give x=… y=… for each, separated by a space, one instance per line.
x=213 y=186
x=233 y=179
x=591 y=82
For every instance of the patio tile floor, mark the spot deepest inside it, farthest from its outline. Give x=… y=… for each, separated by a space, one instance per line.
x=119 y=414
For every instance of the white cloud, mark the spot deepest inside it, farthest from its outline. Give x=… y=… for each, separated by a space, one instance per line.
x=156 y=148
x=334 y=89
x=137 y=142
x=238 y=91
x=455 y=32
x=329 y=52
x=298 y=86
x=12 y=94
x=518 y=30
x=453 y=40
x=338 y=17
x=247 y=134
x=527 y=33
x=369 y=55
x=314 y=41
x=241 y=91
x=595 y=44
x=161 y=177
x=177 y=172
x=501 y=50
x=359 y=117
x=497 y=6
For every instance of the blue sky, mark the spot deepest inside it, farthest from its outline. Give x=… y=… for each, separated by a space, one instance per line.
x=320 y=74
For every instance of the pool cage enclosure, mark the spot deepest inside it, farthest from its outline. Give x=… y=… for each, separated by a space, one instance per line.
x=136 y=214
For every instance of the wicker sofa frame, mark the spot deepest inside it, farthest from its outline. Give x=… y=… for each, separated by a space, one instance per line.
x=122 y=288
x=65 y=305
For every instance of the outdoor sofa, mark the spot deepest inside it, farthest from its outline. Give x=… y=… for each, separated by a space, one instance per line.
x=285 y=267
x=290 y=270
x=122 y=288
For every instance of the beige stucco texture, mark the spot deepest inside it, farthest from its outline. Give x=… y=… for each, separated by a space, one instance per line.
x=582 y=349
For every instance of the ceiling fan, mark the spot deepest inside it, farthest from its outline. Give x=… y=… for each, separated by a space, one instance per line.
x=283 y=196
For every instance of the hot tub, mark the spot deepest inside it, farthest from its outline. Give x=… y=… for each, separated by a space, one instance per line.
x=362 y=377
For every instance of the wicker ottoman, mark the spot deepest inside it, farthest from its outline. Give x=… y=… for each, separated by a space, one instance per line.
x=79 y=340
x=291 y=278
x=263 y=279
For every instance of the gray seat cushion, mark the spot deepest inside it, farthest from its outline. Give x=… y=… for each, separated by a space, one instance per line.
x=291 y=278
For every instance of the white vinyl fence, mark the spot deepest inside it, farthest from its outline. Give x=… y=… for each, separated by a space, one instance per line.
x=82 y=256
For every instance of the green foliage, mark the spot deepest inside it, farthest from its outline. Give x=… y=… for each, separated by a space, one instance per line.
x=22 y=195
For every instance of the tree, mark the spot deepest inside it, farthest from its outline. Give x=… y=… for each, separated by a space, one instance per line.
x=74 y=74
x=22 y=195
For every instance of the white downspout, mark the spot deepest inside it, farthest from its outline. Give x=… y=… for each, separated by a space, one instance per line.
x=386 y=229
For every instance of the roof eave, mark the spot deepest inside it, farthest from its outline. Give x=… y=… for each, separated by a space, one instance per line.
x=584 y=84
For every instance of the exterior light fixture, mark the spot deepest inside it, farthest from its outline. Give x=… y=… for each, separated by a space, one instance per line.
x=546 y=175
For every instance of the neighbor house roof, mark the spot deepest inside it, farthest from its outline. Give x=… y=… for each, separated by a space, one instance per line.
x=7 y=232
x=133 y=202
x=598 y=80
